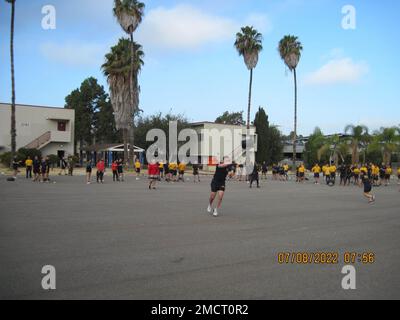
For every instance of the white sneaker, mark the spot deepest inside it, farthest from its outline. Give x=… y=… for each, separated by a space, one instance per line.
x=215 y=214
x=209 y=209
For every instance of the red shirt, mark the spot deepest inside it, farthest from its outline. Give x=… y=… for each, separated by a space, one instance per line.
x=100 y=166
x=153 y=169
x=114 y=166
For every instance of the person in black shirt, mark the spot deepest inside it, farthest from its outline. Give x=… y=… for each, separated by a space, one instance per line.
x=120 y=169
x=218 y=184
x=15 y=165
x=264 y=170
x=367 y=188
x=43 y=169
x=255 y=176
x=342 y=171
x=196 y=172
x=36 y=168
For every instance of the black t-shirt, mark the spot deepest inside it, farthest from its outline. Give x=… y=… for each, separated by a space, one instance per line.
x=220 y=174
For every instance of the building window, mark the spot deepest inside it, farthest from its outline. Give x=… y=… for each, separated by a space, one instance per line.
x=62 y=126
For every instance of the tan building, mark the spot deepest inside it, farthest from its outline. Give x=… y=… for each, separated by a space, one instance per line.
x=219 y=140
x=51 y=130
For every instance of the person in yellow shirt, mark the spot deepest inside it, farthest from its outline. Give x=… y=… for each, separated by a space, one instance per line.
x=398 y=175
x=181 y=168
x=356 y=175
x=331 y=174
x=388 y=174
x=317 y=171
x=302 y=171
x=28 y=166
x=286 y=171
x=137 y=168
x=375 y=174
x=161 y=169
x=173 y=170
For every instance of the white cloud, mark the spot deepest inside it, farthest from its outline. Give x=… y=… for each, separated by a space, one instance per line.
x=259 y=21
x=338 y=71
x=183 y=27
x=187 y=27
x=74 y=53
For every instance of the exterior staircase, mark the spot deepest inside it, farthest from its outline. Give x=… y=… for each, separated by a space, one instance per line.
x=40 y=142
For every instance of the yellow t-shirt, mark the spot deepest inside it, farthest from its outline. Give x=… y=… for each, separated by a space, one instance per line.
x=286 y=167
x=137 y=165
x=324 y=168
x=316 y=169
x=332 y=169
x=29 y=162
x=398 y=171
x=182 y=167
x=364 y=169
x=302 y=169
x=357 y=171
x=161 y=165
x=375 y=171
x=388 y=171
x=172 y=166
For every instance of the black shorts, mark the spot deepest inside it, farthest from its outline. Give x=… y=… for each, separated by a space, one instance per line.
x=217 y=186
x=367 y=188
x=387 y=176
x=182 y=172
x=174 y=172
x=137 y=170
x=301 y=174
x=120 y=170
x=316 y=175
x=88 y=170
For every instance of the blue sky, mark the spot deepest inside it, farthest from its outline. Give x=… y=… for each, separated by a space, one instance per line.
x=191 y=67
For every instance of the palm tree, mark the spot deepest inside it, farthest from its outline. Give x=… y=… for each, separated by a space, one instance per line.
x=249 y=44
x=129 y=14
x=13 y=126
x=290 y=49
x=336 y=149
x=117 y=68
x=389 y=141
x=359 y=137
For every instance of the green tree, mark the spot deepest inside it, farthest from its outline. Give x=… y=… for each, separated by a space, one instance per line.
x=106 y=131
x=249 y=45
x=13 y=125
x=359 y=137
x=129 y=14
x=117 y=69
x=262 y=129
x=290 y=49
x=315 y=142
x=387 y=141
x=234 y=118
x=160 y=121
x=335 y=148
x=275 y=144
x=85 y=101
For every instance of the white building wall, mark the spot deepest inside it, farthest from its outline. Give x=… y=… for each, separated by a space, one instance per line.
x=34 y=121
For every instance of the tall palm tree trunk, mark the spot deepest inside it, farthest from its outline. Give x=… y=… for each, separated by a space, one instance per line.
x=131 y=133
x=249 y=104
x=295 y=120
x=13 y=126
x=125 y=138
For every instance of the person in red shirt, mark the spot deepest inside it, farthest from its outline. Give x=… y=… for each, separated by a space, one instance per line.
x=114 y=168
x=101 y=168
x=153 y=172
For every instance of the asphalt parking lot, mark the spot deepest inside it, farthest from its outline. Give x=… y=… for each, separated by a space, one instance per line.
x=123 y=241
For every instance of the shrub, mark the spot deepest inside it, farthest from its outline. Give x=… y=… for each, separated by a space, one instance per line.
x=5 y=159
x=23 y=154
